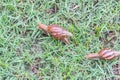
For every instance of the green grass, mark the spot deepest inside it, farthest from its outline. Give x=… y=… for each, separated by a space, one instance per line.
x=23 y=46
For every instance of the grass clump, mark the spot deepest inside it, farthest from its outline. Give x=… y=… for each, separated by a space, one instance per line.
x=25 y=53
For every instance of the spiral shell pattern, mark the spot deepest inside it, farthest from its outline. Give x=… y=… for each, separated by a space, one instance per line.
x=58 y=32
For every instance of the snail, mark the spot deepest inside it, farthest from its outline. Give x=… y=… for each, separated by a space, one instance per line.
x=105 y=53
x=56 y=32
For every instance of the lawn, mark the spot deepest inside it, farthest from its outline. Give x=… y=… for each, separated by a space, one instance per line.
x=28 y=54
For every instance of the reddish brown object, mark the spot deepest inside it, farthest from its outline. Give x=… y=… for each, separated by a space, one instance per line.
x=56 y=32
x=104 y=54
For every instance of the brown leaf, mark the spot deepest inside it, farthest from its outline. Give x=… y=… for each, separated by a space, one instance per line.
x=115 y=69
x=31 y=1
x=39 y=78
x=96 y=1
x=108 y=38
x=48 y=11
x=74 y=6
x=35 y=65
x=34 y=69
x=53 y=9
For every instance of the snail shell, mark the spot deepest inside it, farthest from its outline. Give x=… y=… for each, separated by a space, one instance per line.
x=56 y=31
x=104 y=54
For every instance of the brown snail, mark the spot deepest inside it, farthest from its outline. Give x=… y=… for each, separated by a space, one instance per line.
x=56 y=32
x=104 y=54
